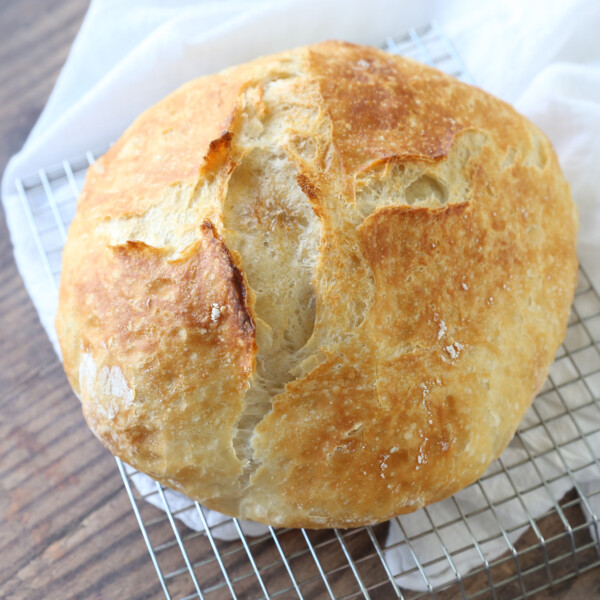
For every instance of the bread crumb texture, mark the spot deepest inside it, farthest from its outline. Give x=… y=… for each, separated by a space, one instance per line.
x=319 y=289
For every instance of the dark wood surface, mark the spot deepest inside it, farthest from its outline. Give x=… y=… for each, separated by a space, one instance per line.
x=66 y=525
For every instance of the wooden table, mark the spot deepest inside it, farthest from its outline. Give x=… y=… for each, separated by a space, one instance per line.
x=66 y=525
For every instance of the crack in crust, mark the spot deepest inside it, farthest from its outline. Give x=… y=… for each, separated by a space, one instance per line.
x=268 y=222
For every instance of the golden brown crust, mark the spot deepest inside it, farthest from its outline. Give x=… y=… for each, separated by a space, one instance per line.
x=153 y=331
x=320 y=289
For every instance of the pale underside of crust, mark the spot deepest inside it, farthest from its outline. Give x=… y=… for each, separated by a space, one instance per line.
x=325 y=301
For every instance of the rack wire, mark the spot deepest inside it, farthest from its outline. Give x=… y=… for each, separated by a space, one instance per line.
x=537 y=551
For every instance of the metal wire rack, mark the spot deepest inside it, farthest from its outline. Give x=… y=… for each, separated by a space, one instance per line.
x=557 y=450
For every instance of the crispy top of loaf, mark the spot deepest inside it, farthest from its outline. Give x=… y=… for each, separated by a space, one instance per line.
x=318 y=289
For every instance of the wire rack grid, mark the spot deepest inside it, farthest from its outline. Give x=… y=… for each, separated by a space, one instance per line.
x=556 y=448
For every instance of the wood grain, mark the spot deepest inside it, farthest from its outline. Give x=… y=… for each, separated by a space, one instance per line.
x=67 y=530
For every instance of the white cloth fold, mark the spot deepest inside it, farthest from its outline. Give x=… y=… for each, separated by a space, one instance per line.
x=544 y=57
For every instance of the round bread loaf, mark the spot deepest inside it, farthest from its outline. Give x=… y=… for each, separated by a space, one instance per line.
x=318 y=289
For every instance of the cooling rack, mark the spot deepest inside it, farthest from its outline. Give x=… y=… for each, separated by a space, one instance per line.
x=436 y=553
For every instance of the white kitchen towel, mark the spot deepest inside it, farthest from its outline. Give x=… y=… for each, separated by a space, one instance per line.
x=542 y=56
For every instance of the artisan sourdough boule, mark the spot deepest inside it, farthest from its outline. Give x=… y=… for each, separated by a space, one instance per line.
x=319 y=289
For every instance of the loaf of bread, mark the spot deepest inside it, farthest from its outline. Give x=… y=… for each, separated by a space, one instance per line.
x=319 y=289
